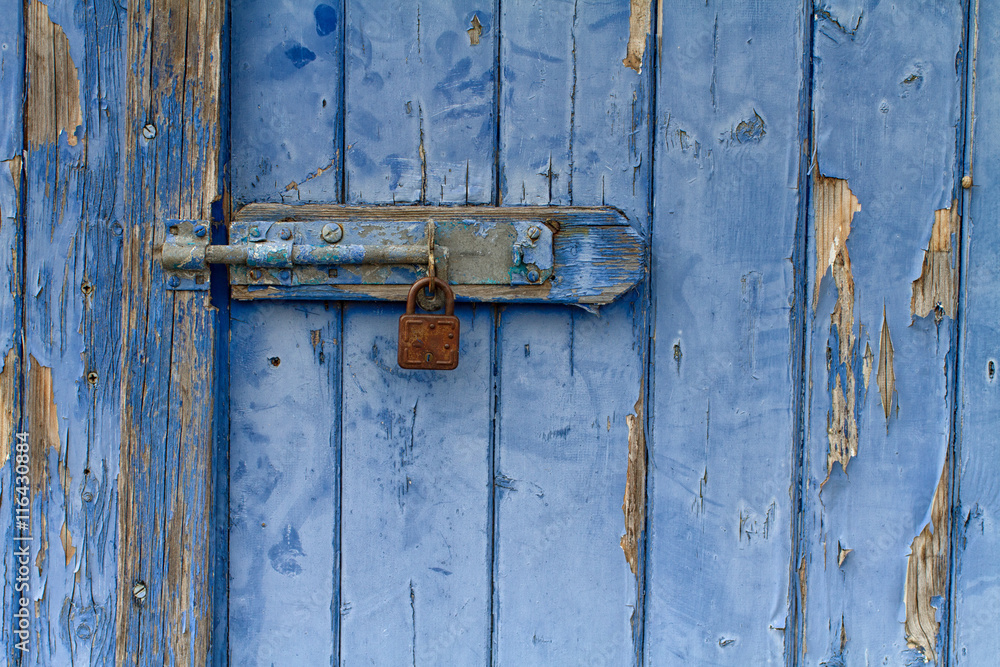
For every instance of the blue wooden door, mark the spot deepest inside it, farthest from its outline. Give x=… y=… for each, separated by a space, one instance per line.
x=778 y=449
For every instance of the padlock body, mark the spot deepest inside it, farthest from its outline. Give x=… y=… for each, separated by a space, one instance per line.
x=428 y=342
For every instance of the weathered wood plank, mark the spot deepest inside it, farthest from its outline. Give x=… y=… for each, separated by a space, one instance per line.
x=420 y=102
x=976 y=532
x=416 y=445
x=886 y=91
x=728 y=153
x=286 y=110
x=171 y=147
x=573 y=130
x=11 y=300
x=74 y=66
x=284 y=545
x=284 y=484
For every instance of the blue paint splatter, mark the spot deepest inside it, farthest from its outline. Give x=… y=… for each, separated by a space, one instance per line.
x=326 y=20
x=298 y=54
x=284 y=553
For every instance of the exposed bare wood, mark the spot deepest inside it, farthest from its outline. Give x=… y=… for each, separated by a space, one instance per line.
x=886 y=375
x=835 y=206
x=927 y=573
x=164 y=485
x=634 y=504
x=53 y=84
x=638 y=31
x=936 y=290
x=8 y=393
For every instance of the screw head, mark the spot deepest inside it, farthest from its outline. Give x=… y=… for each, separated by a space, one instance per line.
x=286 y=234
x=92 y=377
x=967 y=182
x=255 y=232
x=255 y=274
x=200 y=230
x=534 y=233
x=87 y=496
x=285 y=274
x=533 y=276
x=149 y=131
x=175 y=281
x=332 y=232
x=139 y=591
x=87 y=287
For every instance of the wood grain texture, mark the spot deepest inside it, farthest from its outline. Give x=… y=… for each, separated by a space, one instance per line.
x=72 y=260
x=11 y=280
x=728 y=150
x=976 y=509
x=416 y=444
x=887 y=120
x=171 y=145
x=574 y=130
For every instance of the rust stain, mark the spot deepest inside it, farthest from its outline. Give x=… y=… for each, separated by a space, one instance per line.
x=638 y=29
x=476 y=31
x=67 y=542
x=936 y=290
x=886 y=374
x=8 y=382
x=927 y=573
x=53 y=83
x=634 y=504
x=835 y=206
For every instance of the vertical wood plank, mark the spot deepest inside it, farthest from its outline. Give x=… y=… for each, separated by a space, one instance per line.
x=171 y=139
x=11 y=297
x=416 y=445
x=728 y=151
x=421 y=99
x=573 y=130
x=73 y=249
x=887 y=90
x=284 y=483
x=284 y=545
x=286 y=109
x=976 y=533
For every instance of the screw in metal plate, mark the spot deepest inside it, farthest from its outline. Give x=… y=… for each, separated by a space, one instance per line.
x=534 y=233
x=175 y=281
x=149 y=131
x=533 y=276
x=200 y=230
x=286 y=234
x=139 y=591
x=332 y=232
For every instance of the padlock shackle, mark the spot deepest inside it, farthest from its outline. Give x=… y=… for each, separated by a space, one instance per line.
x=449 y=296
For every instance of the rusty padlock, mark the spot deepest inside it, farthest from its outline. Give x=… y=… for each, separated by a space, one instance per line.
x=429 y=341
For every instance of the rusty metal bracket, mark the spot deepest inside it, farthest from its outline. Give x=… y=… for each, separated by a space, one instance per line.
x=586 y=256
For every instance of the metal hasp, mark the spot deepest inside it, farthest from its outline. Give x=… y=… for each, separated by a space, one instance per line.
x=574 y=255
